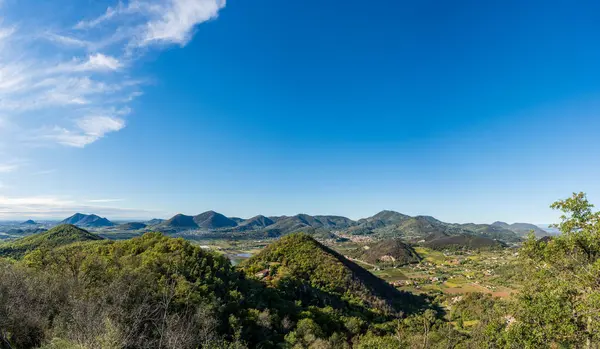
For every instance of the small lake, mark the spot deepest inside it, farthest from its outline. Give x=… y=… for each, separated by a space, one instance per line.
x=238 y=257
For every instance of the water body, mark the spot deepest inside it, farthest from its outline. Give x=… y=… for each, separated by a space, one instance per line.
x=238 y=257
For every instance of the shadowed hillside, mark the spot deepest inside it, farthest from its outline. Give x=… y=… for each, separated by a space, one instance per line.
x=300 y=265
x=132 y=226
x=464 y=242
x=84 y=220
x=390 y=252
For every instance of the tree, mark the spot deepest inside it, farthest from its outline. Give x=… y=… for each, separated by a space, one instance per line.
x=560 y=302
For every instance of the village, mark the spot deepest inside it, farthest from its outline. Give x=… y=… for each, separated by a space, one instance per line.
x=458 y=272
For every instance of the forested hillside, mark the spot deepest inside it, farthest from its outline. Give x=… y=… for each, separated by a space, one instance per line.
x=67 y=288
x=60 y=235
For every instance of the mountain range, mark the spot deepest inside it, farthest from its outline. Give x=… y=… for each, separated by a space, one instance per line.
x=385 y=224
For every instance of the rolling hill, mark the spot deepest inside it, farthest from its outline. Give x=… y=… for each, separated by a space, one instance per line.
x=464 y=242
x=84 y=220
x=309 y=271
x=382 y=219
x=209 y=220
x=256 y=222
x=391 y=252
x=131 y=226
x=155 y=221
x=58 y=236
x=180 y=221
x=213 y=220
x=383 y=225
x=302 y=222
x=522 y=229
x=492 y=232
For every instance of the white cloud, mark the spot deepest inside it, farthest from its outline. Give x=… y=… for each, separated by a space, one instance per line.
x=90 y=129
x=6 y=32
x=178 y=20
x=44 y=172
x=105 y=200
x=9 y=167
x=67 y=40
x=73 y=85
x=59 y=208
x=33 y=201
x=100 y=125
x=133 y=7
x=101 y=62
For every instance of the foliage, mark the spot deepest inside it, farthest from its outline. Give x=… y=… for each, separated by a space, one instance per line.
x=390 y=252
x=58 y=236
x=68 y=288
x=302 y=268
x=560 y=303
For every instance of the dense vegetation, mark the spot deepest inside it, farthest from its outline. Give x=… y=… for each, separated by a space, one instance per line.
x=66 y=288
x=313 y=273
x=391 y=252
x=464 y=242
x=60 y=235
x=383 y=225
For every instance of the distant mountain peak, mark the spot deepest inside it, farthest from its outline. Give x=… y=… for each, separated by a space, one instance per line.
x=501 y=224
x=522 y=229
x=214 y=220
x=180 y=221
x=205 y=220
x=29 y=222
x=85 y=220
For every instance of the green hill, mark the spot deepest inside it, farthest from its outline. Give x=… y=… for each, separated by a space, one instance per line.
x=522 y=229
x=180 y=221
x=213 y=220
x=493 y=232
x=302 y=267
x=132 y=226
x=256 y=222
x=303 y=222
x=85 y=220
x=464 y=242
x=391 y=252
x=58 y=236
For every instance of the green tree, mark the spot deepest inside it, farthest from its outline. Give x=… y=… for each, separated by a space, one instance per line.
x=560 y=301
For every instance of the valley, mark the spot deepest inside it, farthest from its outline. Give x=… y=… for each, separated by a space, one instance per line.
x=326 y=272
x=416 y=254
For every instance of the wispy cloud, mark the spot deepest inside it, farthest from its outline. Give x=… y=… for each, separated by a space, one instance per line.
x=105 y=200
x=74 y=85
x=89 y=129
x=9 y=167
x=57 y=207
x=44 y=172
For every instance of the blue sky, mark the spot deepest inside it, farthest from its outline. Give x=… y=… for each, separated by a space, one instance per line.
x=469 y=111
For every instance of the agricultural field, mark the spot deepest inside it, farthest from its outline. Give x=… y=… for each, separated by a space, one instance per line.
x=453 y=273
x=439 y=272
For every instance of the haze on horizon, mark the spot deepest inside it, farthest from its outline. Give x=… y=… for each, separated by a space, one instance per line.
x=468 y=112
